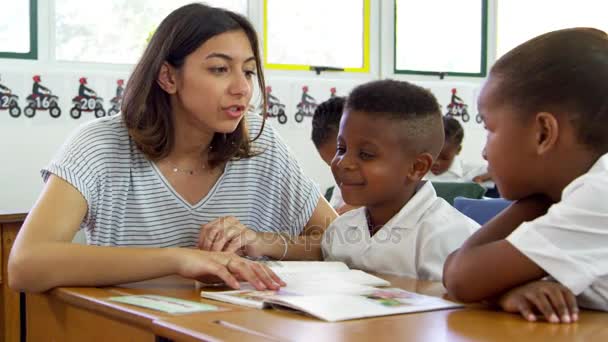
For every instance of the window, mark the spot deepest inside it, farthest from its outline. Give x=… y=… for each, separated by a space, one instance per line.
x=440 y=36
x=114 y=31
x=18 y=31
x=335 y=34
x=519 y=20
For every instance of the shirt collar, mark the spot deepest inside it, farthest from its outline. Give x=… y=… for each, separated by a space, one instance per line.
x=406 y=218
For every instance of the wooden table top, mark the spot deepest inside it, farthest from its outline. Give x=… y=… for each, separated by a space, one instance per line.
x=474 y=323
x=8 y=216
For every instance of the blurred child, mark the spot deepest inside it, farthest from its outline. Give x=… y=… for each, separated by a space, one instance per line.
x=545 y=109
x=448 y=167
x=390 y=133
x=325 y=124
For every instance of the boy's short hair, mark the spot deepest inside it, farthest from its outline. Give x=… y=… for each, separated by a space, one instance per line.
x=454 y=133
x=415 y=106
x=326 y=120
x=564 y=72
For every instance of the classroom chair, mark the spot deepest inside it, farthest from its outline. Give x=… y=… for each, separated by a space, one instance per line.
x=480 y=210
x=449 y=190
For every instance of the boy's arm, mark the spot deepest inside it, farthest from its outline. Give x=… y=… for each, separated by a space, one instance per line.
x=486 y=264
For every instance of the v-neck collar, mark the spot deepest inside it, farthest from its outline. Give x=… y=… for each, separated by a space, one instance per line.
x=179 y=197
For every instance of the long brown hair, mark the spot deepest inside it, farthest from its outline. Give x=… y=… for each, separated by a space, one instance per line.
x=146 y=108
x=564 y=72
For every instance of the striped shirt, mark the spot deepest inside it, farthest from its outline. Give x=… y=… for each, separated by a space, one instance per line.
x=130 y=203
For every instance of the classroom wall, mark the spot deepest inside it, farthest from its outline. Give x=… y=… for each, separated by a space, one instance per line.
x=27 y=144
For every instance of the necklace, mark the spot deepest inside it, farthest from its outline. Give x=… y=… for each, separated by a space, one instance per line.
x=177 y=169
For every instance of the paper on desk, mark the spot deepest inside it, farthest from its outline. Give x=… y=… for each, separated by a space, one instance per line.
x=165 y=304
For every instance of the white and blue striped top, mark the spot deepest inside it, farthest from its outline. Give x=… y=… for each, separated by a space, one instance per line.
x=131 y=204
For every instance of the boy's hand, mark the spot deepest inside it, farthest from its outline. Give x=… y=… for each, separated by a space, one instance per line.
x=554 y=301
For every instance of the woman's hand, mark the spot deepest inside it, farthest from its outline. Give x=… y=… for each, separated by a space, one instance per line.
x=554 y=301
x=229 y=267
x=229 y=235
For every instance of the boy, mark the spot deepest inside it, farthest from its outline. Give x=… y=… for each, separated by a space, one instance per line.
x=545 y=108
x=390 y=133
x=325 y=124
x=448 y=167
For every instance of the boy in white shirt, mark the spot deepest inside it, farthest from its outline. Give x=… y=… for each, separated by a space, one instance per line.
x=325 y=124
x=545 y=109
x=448 y=167
x=390 y=133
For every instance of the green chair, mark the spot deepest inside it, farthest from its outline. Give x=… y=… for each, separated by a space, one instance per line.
x=450 y=190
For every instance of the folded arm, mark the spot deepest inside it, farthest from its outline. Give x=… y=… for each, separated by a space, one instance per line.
x=487 y=265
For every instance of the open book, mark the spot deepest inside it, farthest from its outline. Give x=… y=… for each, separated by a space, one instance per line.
x=332 y=292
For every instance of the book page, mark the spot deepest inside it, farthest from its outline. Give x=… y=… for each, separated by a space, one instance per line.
x=348 y=276
x=306 y=266
x=380 y=302
x=249 y=296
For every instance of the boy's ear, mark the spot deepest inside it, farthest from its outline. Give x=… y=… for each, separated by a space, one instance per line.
x=547 y=132
x=459 y=149
x=422 y=165
x=166 y=78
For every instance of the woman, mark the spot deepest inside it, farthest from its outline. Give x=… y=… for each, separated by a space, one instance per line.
x=170 y=171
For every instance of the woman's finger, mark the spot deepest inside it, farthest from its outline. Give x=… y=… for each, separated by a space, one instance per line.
x=234 y=245
x=272 y=275
x=223 y=273
x=244 y=271
x=210 y=236
x=264 y=276
x=220 y=241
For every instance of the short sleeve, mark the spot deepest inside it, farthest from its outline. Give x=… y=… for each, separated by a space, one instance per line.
x=439 y=239
x=292 y=196
x=569 y=242
x=78 y=164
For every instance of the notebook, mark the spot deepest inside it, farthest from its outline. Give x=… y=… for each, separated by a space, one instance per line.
x=332 y=292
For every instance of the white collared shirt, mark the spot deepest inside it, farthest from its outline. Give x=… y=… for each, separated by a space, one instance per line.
x=570 y=242
x=460 y=172
x=336 y=200
x=413 y=243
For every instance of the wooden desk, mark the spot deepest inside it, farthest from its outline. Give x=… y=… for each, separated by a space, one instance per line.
x=475 y=323
x=81 y=314
x=10 y=302
x=78 y=314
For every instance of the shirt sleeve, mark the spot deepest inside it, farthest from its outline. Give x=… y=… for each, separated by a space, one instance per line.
x=292 y=196
x=569 y=242
x=76 y=163
x=439 y=239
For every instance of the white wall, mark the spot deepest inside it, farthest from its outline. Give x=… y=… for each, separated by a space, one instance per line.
x=28 y=144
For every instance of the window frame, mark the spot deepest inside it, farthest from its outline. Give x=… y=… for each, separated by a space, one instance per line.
x=366 y=68
x=33 y=53
x=484 y=50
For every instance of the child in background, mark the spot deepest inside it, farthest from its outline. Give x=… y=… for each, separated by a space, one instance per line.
x=390 y=133
x=448 y=167
x=325 y=124
x=545 y=109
